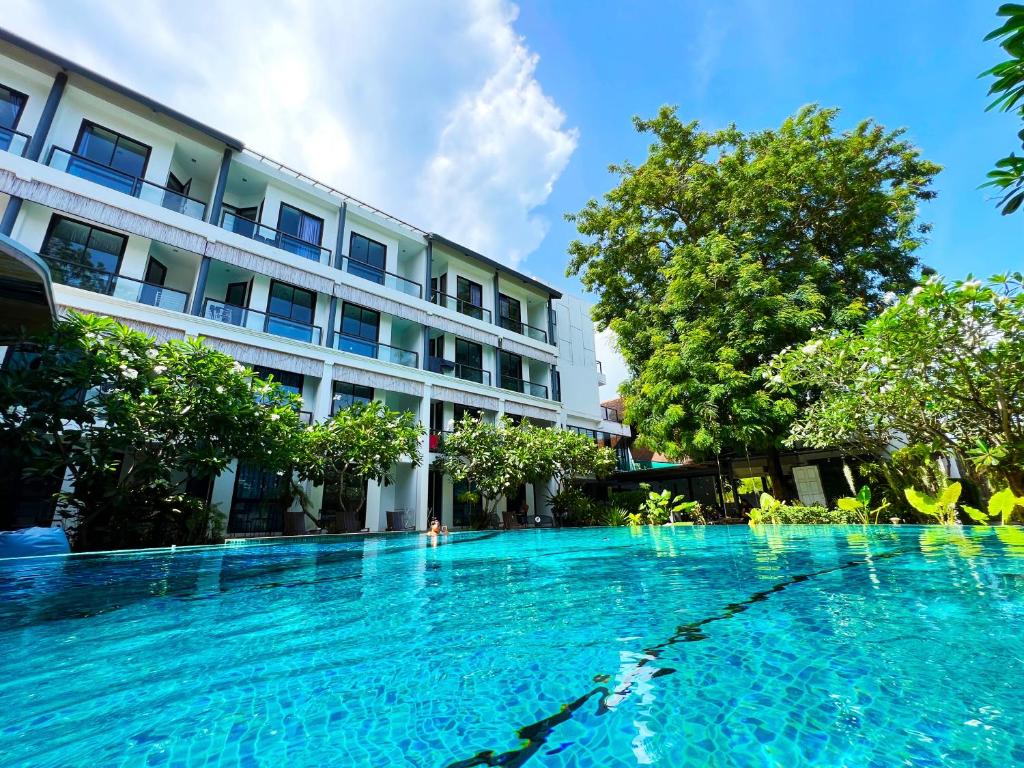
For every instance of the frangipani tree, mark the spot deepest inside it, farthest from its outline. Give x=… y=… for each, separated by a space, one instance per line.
x=493 y=459
x=562 y=455
x=130 y=420
x=943 y=366
x=359 y=443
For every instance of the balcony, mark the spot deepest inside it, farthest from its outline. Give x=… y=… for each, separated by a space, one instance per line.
x=461 y=306
x=14 y=141
x=118 y=286
x=382 y=277
x=522 y=386
x=244 y=317
x=275 y=237
x=524 y=329
x=376 y=350
x=104 y=175
x=468 y=372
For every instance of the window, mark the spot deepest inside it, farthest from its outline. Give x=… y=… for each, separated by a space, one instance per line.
x=367 y=258
x=292 y=303
x=510 y=313
x=459 y=412
x=469 y=360
x=82 y=255
x=359 y=327
x=240 y=220
x=12 y=104
x=511 y=371
x=556 y=386
x=290 y=382
x=290 y=312
x=299 y=231
x=156 y=273
x=108 y=158
x=346 y=394
x=471 y=298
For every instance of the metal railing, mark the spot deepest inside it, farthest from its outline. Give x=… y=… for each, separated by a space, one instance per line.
x=377 y=350
x=472 y=373
x=525 y=329
x=275 y=237
x=600 y=369
x=436 y=439
x=381 y=277
x=522 y=386
x=118 y=286
x=306 y=417
x=255 y=320
x=14 y=141
x=611 y=414
x=84 y=168
x=461 y=306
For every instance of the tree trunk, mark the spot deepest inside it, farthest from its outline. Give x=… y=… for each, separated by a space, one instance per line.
x=780 y=488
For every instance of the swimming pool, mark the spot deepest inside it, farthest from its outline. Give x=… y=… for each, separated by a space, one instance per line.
x=695 y=646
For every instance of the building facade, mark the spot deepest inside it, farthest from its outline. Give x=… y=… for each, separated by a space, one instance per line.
x=146 y=215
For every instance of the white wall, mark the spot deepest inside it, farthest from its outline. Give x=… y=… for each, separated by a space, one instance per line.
x=577 y=360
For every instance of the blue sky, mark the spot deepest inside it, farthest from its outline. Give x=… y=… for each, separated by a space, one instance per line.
x=486 y=121
x=905 y=64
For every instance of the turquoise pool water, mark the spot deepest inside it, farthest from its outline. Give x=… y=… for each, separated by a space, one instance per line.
x=802 y=646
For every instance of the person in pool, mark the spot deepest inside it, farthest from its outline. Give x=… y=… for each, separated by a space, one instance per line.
x=436 y=529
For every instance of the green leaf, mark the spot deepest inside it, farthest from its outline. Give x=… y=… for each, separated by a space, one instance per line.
x=849 y=504
x=864 y=495
x=975 y=514
x=950 y=494
x=1003 y=503
x=921 y=502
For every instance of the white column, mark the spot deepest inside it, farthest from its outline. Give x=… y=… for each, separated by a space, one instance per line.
x=324 y=393
x=375 y=517
x=421 y=474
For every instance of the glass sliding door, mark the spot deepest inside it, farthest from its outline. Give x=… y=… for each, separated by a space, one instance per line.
x=301 y=232
x=359 y=328
x=109 y=158
x=367 y=258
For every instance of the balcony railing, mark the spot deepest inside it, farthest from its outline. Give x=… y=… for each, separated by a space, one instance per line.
x=518 y=326
x=437 y=438
x=14 y=141
x=461 y=306
x=513 y=384
x=611 y=414
x=84 y=168
x=244 y=317
x=377 y=350
x=382 y=277
x=472 y=373
x=118 y=286
x=275 y=237
x=306 y=417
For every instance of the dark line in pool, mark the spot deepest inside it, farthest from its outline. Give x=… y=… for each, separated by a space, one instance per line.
x=536 y=734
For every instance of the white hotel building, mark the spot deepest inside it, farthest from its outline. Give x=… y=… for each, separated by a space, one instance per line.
x=176 y=229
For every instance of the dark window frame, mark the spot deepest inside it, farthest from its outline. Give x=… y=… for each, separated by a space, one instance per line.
x=21 y=109
x=504 y=355
x=504 y=301
x=351 y=238
x=160 y=265
x=119 y=135
x=294 y=289
x=351 y=393
x=460 y=280
x=468 y=343
x=301 y=212
x=286 y=379
x=362 y=311
x=57 y=218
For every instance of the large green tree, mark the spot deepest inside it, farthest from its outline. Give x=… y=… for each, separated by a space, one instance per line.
x=1008 y=89
x=724 y=247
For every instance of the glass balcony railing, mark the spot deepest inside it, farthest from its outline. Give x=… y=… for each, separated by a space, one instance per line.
x=376 y=350
x=461 y=306
x=472 y=373
x=118 y=286
x=14 y=141
x=84 y=168
x=382 y=277
x=255 y=320
x=522 y=386
x=275 y=237
x=525 y=329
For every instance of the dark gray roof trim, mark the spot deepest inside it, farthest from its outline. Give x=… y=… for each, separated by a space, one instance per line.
x=555 y=294
x=77 y=69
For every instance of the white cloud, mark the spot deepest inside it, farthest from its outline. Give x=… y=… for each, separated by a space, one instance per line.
x=612 y=364
x=431 y=112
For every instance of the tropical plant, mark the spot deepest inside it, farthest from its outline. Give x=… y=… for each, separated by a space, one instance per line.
x=860 y=506
x=942 y=368
x=723 y=248
x=562 y=455
x=664 y=508
x=574 y=508
x=1008 y=88
x=131 y=421
x=359 y=443
x=942 y=508
x=1001 y=506
x=635 y=519
x=494 y=459
x=614 y=517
